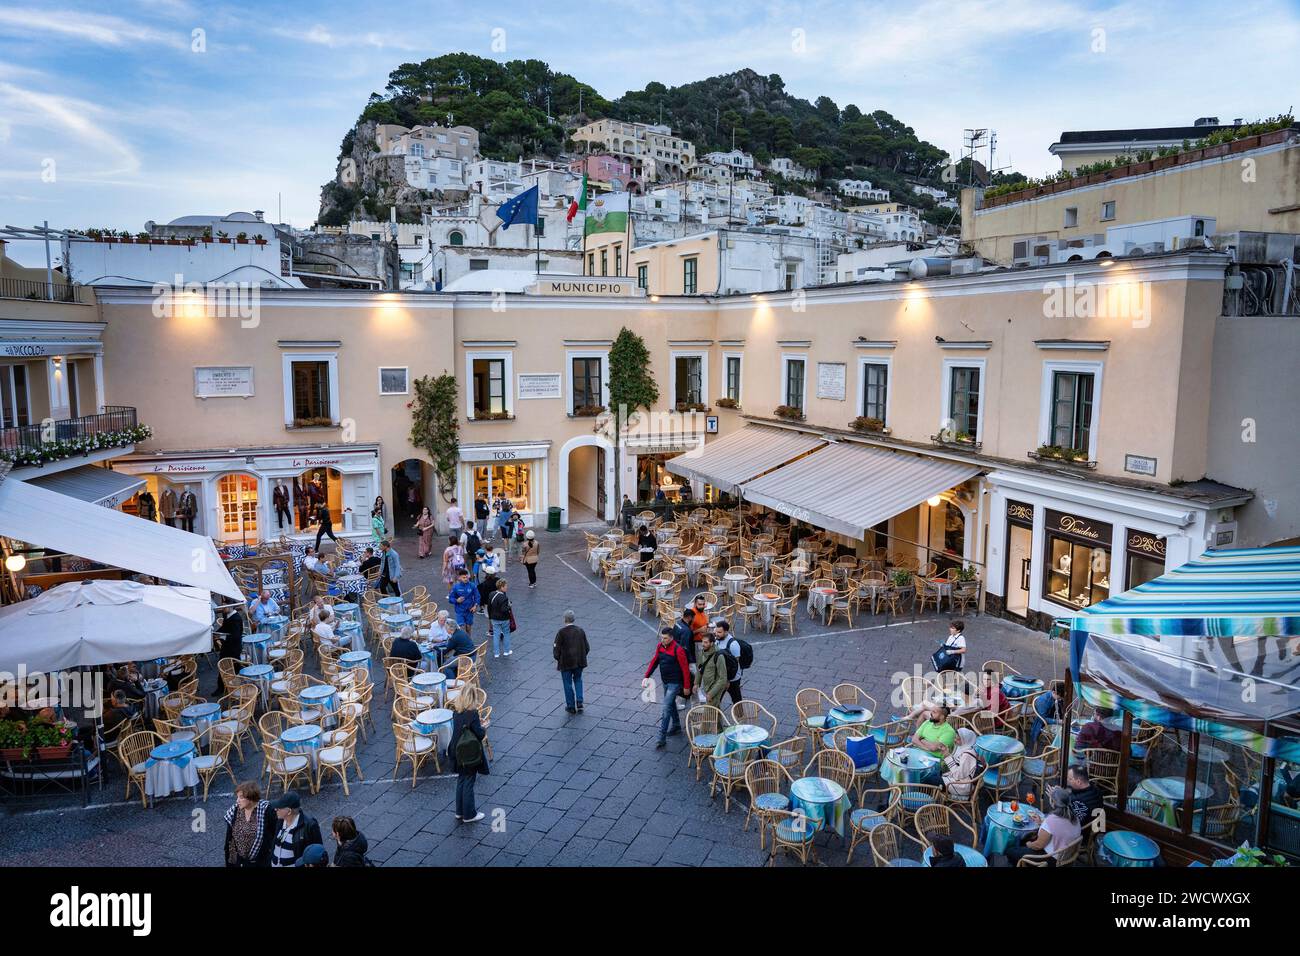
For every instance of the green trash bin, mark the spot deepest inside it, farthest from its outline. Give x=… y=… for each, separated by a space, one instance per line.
x=553 y=519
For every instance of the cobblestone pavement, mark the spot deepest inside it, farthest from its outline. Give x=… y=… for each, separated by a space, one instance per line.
x=588 y=789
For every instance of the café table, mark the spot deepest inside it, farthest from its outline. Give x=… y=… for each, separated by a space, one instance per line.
x=434 y=722
x=767 y=602
x=823 y=801
x=170 y=768
x=255 y=646
x=322 y=699
x=765 y=557
x=273 y=624
x=347 y=611
x=351 y=659
x=261 y=675
x=304 y=739
x=155 y=689
x=739 y=737
x=660 y=586
x=1128 y=849
x=972 y=856
x=1167 y=793
x=431 y=651
x=395 y=622
x=349 y=584
x=431 y=684
x=625 y=568
x=201 y=717
x=1015 y=686
x=350 y=635
x=1004 y=827
x=819 y=601
x=598 y=555
x=694 y=563
x=921 y=766
x=391 y=605
x=847 y=715
x=733 y=580
x=794 y=575
x=994 y=748
x=663 y=533
x=615 y=538
x=351 y=566
x=669 y=550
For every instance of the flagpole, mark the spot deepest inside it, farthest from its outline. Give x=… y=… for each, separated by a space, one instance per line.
x=627 y=243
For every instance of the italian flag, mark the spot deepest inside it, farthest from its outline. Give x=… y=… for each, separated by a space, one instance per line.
x=579 y=201
x=608 y=213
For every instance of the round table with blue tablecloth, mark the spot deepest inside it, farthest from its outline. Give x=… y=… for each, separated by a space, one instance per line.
x=1167 y=793
x=903 y=861
x=155 y=689
x=824 y=802
x=994 y=748
x=391 y=605
x=255 y=646
x=349 y=635
x=971 y=856
x=347 y=611
x=273 y=624
x=261 y=675
x=431 y=684
x=435 y=722
x=1128 y=849
x=348 y=584
x=846 y=715
x=201 y=717
x=1004 y=827
x=395 y=622
x=304 y=739
x=355 y=659
x=170 y=768
x=323 y=698
x=910 y=765
x=740 y=737
x=431 y=651
x=1015 y=686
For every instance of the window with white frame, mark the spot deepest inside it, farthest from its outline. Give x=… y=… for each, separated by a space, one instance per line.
x=1070 y=406
x=1071 y=217
x=489 y=394
x=1108 y=210
x=793 y=379
x=586 y=380
x=731 y=378
x=690 y=275
x=311 y=389
x=393 y=380
x=963 y=398
x=690 y=378
x=875 y=390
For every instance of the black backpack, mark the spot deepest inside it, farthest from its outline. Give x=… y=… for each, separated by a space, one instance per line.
x=469 y=751
x=733 y=669
x=472 y=544
x=746 y=654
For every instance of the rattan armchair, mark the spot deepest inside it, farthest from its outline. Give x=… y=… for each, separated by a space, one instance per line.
x=889 y=842
x=752 y=712
x=729 y=773
x=414 y=747
x=765 y=780
x=703 y=724
x=876 y=807
x=833 y=765
x=133 y=751
x=935 y=819
x=813 y=706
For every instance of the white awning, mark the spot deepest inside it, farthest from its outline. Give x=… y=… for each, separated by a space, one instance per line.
x=848 y=488
x=92 y=484
x=729 y=462
x=48 y=519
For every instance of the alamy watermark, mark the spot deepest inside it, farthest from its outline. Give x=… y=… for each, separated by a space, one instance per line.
x=213 y=300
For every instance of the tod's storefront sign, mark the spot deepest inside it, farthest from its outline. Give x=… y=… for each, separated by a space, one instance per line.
x=1081 y=529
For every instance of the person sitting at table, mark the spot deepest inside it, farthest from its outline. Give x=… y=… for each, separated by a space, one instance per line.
x=1096 y=735
x=315 y=565
x=352 y=844
x=127 y=679
x=231 y=630
x=262 y=607
x=1047 y=710
x=297 y=831
x=646 y=543
x=404 y=646
x=935 y=734
x=944 y=854
x=370 y=560
x=323 y=630
x=458 y=643
x=117 y=713
x=963 y=767
x=322 y=610
x=251 y=826
x=1058 y=831
x=990 y=699
x=1086 y=797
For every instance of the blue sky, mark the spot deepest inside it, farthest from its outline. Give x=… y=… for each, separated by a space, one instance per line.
x=134 y=123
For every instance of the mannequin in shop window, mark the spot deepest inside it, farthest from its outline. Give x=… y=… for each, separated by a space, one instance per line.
x=167 y=505
x=302 y=503
x=146 y=507
x=187 y=506
x=280 y=499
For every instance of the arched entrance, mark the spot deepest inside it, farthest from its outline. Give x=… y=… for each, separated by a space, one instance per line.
x=237 y=514
x=586 y=479
x=412 y=488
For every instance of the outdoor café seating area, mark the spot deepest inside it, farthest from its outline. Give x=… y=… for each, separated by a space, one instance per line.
x=764 y=573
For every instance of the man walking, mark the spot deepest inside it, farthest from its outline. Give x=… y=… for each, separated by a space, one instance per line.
x=675 y=673
x=713 y=671
x=463 y=598
x=390 y=570
x=498 y=611
x=684 y=634
x=280 y=499
x=570 y=650
x=455 y=520
x=324 y=525
x=187 y=506
x=297 y=831
x=729 y=648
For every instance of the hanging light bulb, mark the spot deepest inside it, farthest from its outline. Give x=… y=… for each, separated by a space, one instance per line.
x=15 y=563
x=933 y=501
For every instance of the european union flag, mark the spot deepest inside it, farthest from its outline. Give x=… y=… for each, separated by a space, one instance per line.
x=523 y=208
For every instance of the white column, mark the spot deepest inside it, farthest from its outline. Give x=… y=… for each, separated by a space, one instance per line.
x=99 y=382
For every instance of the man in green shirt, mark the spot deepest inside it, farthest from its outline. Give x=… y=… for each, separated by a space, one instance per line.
x=936 y=734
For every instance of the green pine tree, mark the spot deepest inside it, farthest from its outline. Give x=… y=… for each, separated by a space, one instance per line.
x=631 y=386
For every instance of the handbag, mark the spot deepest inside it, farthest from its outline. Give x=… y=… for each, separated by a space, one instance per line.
x=513 y=625
x=945 y=660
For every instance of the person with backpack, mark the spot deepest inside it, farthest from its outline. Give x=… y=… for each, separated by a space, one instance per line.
x=530 y=553
x=712 y=671
x=670 y=660
x=737 y=655
x=952 y=653
x=463 y=598
x=470 y=542
x=453 y=559
x=489 y=569
x=466 y=756
x=500 y=619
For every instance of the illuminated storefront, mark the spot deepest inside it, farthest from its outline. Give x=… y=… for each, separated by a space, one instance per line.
x=517 y=471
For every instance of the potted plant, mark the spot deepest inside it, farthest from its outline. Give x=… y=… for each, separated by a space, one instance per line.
x=727 y=403
x=1060 y=453
x=52 y=740
x=259 y=240
x=788 y=412
x=1248 y=856
x=242 y=238
x=967 y=574
x=864 y=423
x=207 y=234
x=588 y=411
x=901 y=578
x=13 y=739
x=223 y=237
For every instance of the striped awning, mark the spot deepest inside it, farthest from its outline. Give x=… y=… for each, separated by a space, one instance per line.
x=1217 y=639
x=92 y=484
x=848 y=488
x=730 y=462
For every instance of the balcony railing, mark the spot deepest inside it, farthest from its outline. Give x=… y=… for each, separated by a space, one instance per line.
x=36 y=289
x=32 y=438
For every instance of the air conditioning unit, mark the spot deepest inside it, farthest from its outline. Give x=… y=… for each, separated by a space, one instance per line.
x=1142 y=248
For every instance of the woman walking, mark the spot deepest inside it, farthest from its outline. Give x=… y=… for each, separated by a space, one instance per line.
x=529 y=554
x=378 y=529
x=453 y=559
x=251 y=826
x=352 y=845
x=466 y=756
x=424 y=525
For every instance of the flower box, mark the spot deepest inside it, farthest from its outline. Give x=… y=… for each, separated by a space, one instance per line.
x=869 y=426
x=789 y=413
x=1064 y=456
x=54 y=753
x=11 y=753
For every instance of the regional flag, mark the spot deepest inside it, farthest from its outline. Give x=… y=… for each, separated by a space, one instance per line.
x=607 y=213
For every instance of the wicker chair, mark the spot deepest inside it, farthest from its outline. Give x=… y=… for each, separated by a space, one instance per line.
x=912 y=797
x=279 y=764
x=1044 y=769
x=788 y=753
x=892 y=733
x=132 y=752
x=413 y=747
x=1005 y=776
x=813 y=706
x=703 y=724
x=871 y=813
x=839 y=741
x=935 y=819
x=335 y=758
x=1143 y=744
x=216 y=760
x=841 y=604
x=1103 y=767
x=752 y=712
x=851 y=695
x=1066 y=857
x=729 y=773
x=784 y=614
x=765 y=780
x=889 y=842
x=792 y=832
x=833 y=765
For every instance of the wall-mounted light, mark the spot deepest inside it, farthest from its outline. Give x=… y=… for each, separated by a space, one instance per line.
x=15 y=563
x=933 y=501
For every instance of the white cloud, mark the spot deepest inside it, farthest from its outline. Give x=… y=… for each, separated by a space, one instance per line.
x=91 y=28
x=75 y=132
x=320 y=35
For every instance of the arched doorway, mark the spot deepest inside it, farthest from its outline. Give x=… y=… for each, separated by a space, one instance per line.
x=586 y=479
x=412 y=488
x=237 y=514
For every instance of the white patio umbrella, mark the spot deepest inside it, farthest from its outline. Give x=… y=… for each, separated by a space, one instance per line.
x=84 y=623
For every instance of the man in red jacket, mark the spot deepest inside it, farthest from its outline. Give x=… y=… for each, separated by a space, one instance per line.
x=675 y=672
